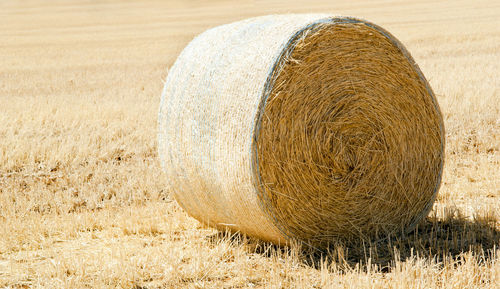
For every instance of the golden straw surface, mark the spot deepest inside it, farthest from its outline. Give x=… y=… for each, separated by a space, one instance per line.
x=301 y=127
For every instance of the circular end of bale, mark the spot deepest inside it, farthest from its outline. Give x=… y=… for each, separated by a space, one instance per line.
x=348 y=140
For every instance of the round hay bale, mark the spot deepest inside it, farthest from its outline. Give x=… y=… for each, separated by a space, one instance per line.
x=301 y=127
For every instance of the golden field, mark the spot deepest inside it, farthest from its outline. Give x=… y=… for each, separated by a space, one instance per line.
x=83 y=202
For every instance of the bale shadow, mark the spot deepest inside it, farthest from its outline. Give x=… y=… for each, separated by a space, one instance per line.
x=448 y=237
x=434 y=238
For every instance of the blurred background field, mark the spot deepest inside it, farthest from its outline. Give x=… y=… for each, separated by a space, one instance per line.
x=83 y=202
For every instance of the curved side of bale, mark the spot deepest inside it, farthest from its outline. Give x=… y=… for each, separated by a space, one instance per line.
x=306 y=127
x=207 y=117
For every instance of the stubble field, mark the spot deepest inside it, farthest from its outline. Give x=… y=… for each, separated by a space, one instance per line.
x=83 y=202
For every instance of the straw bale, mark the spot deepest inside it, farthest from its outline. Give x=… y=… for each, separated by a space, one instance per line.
x=302 y=127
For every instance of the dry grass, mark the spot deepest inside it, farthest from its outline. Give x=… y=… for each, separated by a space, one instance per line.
x=82 y=199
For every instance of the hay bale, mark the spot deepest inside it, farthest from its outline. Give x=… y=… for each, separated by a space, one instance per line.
x=301 y=127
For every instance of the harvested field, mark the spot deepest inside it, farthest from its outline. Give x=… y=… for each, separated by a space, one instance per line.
x=83 y=201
